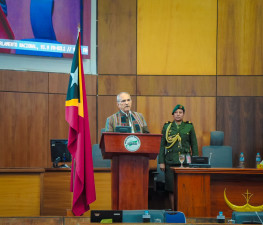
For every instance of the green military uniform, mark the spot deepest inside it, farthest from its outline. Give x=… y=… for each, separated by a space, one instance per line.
x=170 y=147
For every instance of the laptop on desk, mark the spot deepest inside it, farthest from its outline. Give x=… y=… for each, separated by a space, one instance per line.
x=199 y=162
x=96 y=216
x=123 y=129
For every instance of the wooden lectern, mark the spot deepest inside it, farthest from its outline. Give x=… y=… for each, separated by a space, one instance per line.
x=130 y=167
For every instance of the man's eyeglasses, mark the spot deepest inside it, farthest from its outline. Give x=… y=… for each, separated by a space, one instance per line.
x=125 y=100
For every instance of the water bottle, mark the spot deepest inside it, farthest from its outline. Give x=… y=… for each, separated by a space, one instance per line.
x=146 y=217
x=242 y=160
x=188 y=158
x=220 y=218
x=258 y=159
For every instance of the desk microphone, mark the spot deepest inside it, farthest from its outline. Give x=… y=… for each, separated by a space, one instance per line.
x=210 y=156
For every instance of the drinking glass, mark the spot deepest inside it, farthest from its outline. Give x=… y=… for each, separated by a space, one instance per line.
x=181 y=159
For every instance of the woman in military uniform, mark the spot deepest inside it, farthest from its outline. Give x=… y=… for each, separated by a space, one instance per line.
x=178 y=138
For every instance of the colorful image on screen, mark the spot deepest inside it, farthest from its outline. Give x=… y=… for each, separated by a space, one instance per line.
x=44 y=27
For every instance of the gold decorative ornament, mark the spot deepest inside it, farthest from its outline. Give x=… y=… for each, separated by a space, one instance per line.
x=172 y=139
x=244 y=208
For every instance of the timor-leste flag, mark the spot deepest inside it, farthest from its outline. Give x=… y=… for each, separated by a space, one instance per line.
x=79 y=143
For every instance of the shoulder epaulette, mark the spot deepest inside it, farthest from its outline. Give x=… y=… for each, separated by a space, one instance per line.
x=167 y=122
x=188 y=122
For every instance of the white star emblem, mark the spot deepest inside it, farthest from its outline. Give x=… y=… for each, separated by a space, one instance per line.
x=74 y=77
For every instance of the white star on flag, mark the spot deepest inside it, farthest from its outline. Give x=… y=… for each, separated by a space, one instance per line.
x=74 y=77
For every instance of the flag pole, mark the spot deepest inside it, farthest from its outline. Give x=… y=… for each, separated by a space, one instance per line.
x=79 y=32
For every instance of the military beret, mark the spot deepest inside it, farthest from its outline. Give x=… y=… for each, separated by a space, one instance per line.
x=178 y=107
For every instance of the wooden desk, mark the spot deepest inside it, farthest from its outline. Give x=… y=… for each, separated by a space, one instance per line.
x=81 y=220
x=21 y=191
x=199 y=192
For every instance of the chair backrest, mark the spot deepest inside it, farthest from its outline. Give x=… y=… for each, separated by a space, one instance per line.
x=220 y=156
x=217 y=138
x=247 y=217
x=175 y=217
x=98 y=161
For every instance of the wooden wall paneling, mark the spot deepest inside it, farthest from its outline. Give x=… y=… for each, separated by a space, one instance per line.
x=240 y=85
x=23 y=130
x=92 y=109
x=58 y=127
x=23 y=81
x=176 y=37
x=56 y=193
x=201 y=111
x=228 y=120
x=240 y=37
x=58 y=83
x=103 y=191
x=176 y=85
x=107 y=105
x=58 y=198
x=241 y=119
x=33 y=220
x=113 y=85
x=20 y=194
x=83 y=220
x=117 y=36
